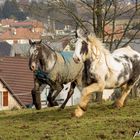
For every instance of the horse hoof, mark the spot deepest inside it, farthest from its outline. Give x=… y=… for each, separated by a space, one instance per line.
x=52 y=104
x=49 y=105
x=55 y=103
x=118 y=104
x=72 y=114
x=78 y=113
x=37 y=107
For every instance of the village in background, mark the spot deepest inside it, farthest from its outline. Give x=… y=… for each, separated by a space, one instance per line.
x=19 y=22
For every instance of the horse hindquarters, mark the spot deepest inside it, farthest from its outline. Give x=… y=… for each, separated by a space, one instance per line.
x=135 y=76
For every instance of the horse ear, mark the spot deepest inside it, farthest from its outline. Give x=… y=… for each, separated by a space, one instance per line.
x=30 y=42
x=82 y=33
x=79 y=32
x=38 y=44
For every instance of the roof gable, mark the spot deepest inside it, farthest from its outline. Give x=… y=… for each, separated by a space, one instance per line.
x=15 y=72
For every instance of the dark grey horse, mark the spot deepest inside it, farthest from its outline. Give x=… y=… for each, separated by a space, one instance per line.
x=54 y=69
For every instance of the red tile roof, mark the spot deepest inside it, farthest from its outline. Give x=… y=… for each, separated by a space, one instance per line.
x=7 y=21
x=118 y=32
x=15 y=72
x=19 y=33
x=33 y=23
x=14 y=23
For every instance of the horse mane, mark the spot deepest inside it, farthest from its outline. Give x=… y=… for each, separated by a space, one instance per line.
x=97 y=43
x=47 y=45
x=100 y=47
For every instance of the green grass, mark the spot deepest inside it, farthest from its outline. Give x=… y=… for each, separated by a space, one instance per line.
x=100 y=122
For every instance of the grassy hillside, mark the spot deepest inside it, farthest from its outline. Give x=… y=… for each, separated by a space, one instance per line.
x=100 y=122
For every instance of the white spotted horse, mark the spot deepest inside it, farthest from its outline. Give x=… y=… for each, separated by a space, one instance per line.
x=120 y=69
x=52 y=68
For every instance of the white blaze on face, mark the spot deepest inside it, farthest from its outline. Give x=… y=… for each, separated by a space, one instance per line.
x=33 y=55
x=78 y=47
x=33 y=50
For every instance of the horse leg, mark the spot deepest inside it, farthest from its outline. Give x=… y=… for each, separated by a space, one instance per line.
x=36 y=95
x=49 y=97
x=125 y=91
x=59 y=88
x=86 y=95
x=70 y=93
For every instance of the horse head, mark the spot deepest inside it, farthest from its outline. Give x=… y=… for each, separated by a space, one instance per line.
x=34 y=54
x=42 y=56
x=86 y=45
x=81 y=45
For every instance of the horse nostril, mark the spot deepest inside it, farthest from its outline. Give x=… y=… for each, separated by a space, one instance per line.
x=32 y=67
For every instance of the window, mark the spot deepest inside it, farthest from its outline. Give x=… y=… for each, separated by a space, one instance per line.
x=5 y=98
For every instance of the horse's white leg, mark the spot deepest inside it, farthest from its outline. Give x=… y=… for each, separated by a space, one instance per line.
x=86 y=94
x=125 y=91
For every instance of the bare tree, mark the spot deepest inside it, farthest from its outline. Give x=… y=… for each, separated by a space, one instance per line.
x=104 y=17
x=98 y=14
x=103 y=13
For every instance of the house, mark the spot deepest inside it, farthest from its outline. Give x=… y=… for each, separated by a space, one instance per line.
x=70 y=45
x=14 y=50
x=6 y=22
x=19 y=36
x=64 y=30
x=19 y=32
x=16 y=83
x=61 y=43
x=33 y=25
x=117 y=33
x=20 y=50
x=5 y=49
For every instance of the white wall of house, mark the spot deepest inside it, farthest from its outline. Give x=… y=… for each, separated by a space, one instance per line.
x=11 y=101
x=59 y=32
x=44 y=95
x=21 y=41
x=11 y=42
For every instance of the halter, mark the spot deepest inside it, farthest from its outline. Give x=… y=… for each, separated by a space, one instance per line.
x=43 y=77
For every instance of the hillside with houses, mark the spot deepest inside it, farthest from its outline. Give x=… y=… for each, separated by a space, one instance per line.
x=16 y=80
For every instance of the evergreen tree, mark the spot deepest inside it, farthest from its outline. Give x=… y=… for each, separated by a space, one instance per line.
x=11 y=9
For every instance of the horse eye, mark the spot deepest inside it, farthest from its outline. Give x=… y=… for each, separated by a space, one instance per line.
x=76 y=36
x=86 y=33
x=84 y=48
